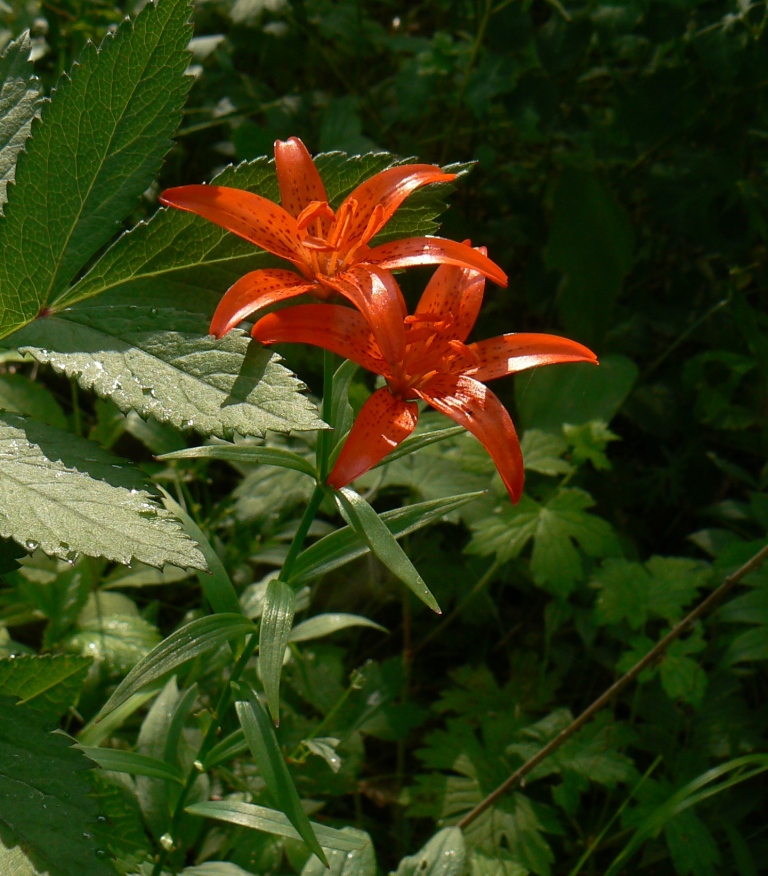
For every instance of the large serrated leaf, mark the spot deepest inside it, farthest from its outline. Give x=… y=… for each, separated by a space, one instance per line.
x=274 y=632
x=45 y=804
x=157 y=359
x=20 y=101
x=67 y=495
x=95 y=149
x=444 y=855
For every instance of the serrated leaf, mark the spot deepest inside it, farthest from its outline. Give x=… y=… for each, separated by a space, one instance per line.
x=274 y=631
x=20 y=101
x=196 y=637
x=159 y=360
x=497 y=864
x=444 y=855
x=95 y=149
x=554 y=527
x=660 y=588
x=49 y=683
x=271 y=821
x=374 y=532
x=357 y=862
x=327 y=624
x=345 y=544
x=589 y=442
x=543 y=452
x=67 y=495
x=217 y=586
x=265 y=749
x=45 y=804
x=20 y=395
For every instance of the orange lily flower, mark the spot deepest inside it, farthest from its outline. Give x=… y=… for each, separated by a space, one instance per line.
x=328 y=249
x=432 y=362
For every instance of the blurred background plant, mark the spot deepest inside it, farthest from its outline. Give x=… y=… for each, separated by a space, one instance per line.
x=621 y=181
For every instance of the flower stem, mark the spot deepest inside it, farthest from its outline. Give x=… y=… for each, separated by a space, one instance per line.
x=324 y=439
x=301 y=533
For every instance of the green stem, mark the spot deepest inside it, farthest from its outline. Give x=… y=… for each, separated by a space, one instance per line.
x=301 y=533
x=324 y=439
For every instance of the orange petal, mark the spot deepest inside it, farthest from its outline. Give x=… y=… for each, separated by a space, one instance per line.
x=377 y=296
x=389 y=189
x=253 y=292
x=243 y=213
x=297 y=176
x=454 y=295
x=508 y=354
x=474 y=406
x=383 y=422
x=433 y=251
x=330 y=326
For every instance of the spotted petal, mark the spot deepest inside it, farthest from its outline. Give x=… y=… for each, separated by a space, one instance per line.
x=297 y=176
x=414 y=251
x=508 y=354
x=243 y=213
x=472 y=405
x=453 y=296
x=255 y=291
x=339 y=329
x=377 y=296
x=388 y=189
x=383 y=422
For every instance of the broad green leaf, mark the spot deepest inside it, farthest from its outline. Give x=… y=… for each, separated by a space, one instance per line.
x=325 y=747
x=274 y=632
x=374 y=532
x=217 y=586
x=265 y=749
x=357 y=862
x=272 y=821
x=444 y=855
x=327 y=624
x=591 y=242
x=663 y=587
x=67 y=495
x=96 y=148
x=342 y=414
x=119 y=641
x=153 y=356
x=215 y=868
x=133 y=763
x=193 y=639
x=246 y=453
x=20 y=395
x=20 y=102
x=50 y=683
x=543 y=452
x=45 y=804
x=499 y=863
x=575 y=393
x=13 y=862
x=345 y=544
x=589 y=442
x=554 y=527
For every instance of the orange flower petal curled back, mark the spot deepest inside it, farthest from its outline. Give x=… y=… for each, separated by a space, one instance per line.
x=435 y=365
x=329 y=249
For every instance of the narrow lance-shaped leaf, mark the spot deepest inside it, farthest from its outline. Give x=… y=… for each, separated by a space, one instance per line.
x=246 y=453
x=274 y=822
x=20 y=101
x=67 y=495
x=261 y=739
x=95 y=149
x=346 y=544
x=326 y=624
x=133 y=763
x=274 y=632
x=369 y=526
x=217 y=586
x=191 y=640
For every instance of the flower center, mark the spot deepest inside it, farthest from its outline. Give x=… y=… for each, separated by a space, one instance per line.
x=332 y=240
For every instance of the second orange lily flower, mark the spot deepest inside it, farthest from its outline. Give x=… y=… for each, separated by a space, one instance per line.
x=430 y=361
x=329 y=249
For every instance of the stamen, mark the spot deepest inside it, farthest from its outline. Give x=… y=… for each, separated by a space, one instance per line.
x=374 y=223
x=314 y=210
x=340 y=229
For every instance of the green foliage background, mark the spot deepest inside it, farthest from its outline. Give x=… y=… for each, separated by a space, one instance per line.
x=621 y=182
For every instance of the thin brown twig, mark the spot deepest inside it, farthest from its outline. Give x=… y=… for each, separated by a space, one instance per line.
x=516 y=778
